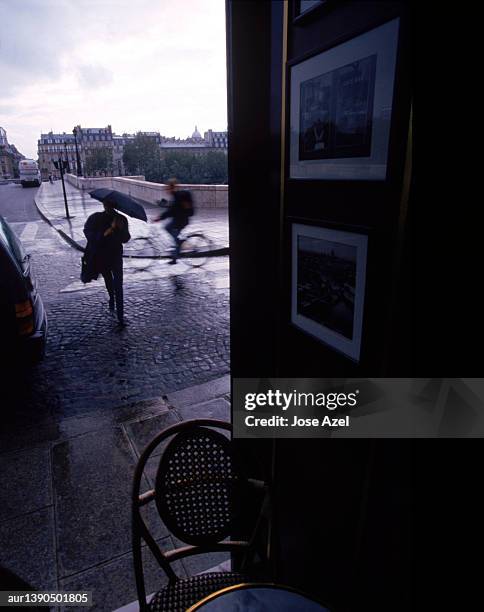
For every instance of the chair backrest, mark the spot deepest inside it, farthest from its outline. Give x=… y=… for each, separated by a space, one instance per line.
x=198 y=486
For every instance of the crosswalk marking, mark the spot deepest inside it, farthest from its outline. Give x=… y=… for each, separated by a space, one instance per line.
x=29 y=232
x=138 y=271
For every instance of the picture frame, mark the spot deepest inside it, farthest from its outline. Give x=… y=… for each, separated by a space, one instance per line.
x=303 y=7
x=341 y=104
x=305 y=11
x=328 y=285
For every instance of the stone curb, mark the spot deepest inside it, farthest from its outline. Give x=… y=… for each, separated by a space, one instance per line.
x=199 y=394
x=218 y=252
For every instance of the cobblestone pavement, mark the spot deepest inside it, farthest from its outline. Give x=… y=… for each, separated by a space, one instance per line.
x=147 y=239
x=74 y=425
x=177 y=333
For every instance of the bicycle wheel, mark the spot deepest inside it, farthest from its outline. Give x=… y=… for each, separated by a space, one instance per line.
x=194 y=250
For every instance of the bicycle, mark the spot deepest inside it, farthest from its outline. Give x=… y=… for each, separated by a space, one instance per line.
x=194 y=249
x=194 y=246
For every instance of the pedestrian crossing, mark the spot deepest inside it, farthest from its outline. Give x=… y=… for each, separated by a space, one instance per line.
x=37 y=237
x=29 y=232
x=215 y=272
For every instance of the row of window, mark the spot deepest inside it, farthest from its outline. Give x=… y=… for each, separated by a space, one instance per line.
x=46 y=141
x=94 y=137
x=49 y=161
x=46 y=149
x=56 y=148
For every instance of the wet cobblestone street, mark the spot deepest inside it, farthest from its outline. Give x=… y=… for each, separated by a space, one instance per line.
x=177 y=333
x=73 y=426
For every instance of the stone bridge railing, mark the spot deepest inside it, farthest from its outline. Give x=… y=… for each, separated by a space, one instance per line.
x=205 y=196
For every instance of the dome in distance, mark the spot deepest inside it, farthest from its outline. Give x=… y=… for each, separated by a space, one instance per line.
x=196 y=134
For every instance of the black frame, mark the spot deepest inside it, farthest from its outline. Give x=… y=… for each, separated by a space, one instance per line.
x=357 y=205
x=396 y=82
x=372 y=240
x=299 y=18
x=363 y=150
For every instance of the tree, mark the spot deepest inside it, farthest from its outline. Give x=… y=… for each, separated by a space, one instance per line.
x=216 y=172
x=99 y=160
x=207 y=169
x=142 y=156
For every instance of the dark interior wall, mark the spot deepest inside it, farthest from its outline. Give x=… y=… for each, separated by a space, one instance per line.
x=343 y=508
x=345 y=516
x=254 y=79
x=254 y=102
x=260 y=222
x=371 y=207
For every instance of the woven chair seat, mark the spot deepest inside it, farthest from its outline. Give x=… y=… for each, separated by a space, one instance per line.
x=197 y=487
x=180 y=595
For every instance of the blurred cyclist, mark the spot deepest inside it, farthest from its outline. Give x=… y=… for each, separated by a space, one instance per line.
x=180 y=210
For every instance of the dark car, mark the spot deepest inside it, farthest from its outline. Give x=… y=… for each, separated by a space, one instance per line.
x=23 y=321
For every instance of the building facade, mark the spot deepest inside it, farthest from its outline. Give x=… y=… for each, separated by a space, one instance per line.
x=9 y=157
x=196 y=144
x=51 y=147
x=96 y=143
x=217 y=140
x=101 y=146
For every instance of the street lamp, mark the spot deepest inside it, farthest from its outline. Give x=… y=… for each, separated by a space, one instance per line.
x=67 y=158
x=61 y=165
x=78 y=162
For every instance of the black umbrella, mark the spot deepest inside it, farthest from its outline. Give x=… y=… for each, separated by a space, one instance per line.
x=121 y=202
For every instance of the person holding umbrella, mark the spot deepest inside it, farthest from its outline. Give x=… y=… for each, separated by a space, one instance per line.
x=106 y=232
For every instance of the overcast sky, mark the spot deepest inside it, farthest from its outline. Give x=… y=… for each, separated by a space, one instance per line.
x=150 y=65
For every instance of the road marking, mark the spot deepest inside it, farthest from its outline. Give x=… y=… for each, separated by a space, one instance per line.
x=139 y=271
x=29 y=232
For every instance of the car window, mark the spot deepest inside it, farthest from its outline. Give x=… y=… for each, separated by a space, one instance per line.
x=12 y=242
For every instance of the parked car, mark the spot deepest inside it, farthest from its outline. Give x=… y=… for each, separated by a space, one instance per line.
x=23 y=321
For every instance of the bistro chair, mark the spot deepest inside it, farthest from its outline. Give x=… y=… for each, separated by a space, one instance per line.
x=200 y=492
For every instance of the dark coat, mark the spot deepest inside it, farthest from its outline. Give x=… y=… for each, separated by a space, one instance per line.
x=180 y=209
x=102 y=251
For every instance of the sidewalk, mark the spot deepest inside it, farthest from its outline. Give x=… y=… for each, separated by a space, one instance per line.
x=147 y=239
x=65 y=507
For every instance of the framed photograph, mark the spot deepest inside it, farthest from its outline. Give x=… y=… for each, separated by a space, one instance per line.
x=328 y=285
x=341 y=107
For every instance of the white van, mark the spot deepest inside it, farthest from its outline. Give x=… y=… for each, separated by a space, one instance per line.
x=29 y=173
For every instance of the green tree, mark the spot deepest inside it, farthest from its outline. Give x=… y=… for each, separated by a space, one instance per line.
x=216 y=172
x=99 y=160
x=142 y=156
x=207 y=169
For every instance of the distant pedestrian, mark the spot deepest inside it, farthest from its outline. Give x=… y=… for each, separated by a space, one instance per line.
x=51 y=180
x=106 y=232
x=180 y=210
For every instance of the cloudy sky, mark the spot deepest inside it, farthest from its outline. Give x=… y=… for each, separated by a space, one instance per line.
x=150 y=65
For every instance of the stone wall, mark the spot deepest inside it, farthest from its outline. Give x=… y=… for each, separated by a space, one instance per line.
x=94 y=183
x=205 y=196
